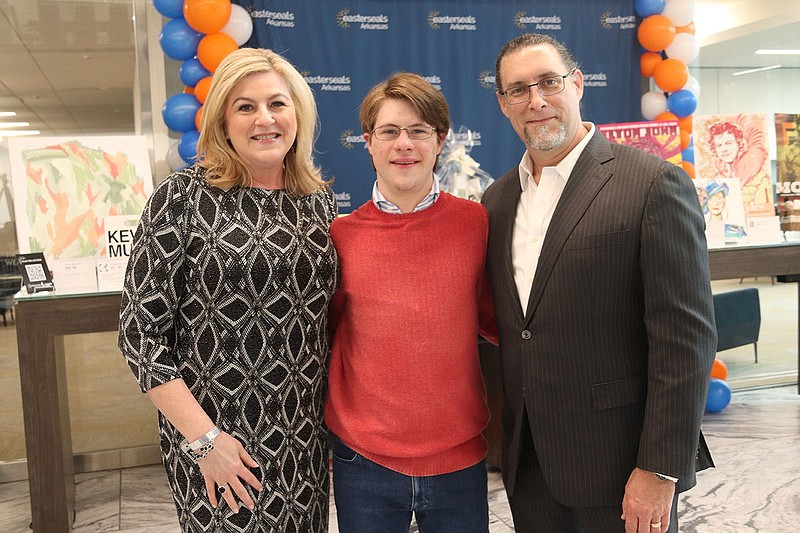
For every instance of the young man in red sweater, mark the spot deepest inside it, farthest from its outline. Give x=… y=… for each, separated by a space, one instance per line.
x=406 y=399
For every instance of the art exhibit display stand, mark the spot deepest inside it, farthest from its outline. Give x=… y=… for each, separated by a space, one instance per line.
x=42 y=322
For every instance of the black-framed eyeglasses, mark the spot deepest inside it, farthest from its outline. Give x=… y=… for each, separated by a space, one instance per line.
x=519 y=94
x=392 y=133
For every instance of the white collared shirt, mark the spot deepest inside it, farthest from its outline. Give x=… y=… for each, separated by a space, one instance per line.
x=535 y=211
x=388 y=207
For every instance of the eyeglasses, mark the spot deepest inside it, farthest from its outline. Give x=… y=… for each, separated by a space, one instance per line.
x=519 y=94
x=392 y=133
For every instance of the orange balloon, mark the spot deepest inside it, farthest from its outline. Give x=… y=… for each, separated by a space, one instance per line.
x=201 y=89
x=719 y=370
x=686 y=139
x=689 y=28
x=656 y=32
x=213 y=48
x=188 y=90
x=207 y=16
x=670 y=75
x=197 y=117
x=685 y=124
x=648 y=63
x=688 y=167
x=666 y=115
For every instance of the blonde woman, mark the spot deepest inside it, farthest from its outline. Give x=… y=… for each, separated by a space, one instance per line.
x=223 y=315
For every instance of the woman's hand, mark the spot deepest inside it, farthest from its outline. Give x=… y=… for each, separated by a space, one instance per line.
x=227 y=467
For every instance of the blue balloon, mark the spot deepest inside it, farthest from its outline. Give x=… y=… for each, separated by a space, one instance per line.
x=179 y=111
x=719 y=396
x=688 y=154
x=169 y=8
x=187 y=146
x=192 y=71
x=683 y=103
x=178 y=39
x=645 y=8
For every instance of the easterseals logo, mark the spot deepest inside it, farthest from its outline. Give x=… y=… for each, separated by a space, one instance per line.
x=279 y=19
x=366 y=22
x=328 y=83
x=343 y=199
x=487 y=79
x=460 y=23
x=622 y=22
x=434 y=80
x=595 y=79
x=349 y=140
x=550 y=22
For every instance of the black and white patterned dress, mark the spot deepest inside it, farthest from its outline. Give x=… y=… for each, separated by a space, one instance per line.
x=229 y=290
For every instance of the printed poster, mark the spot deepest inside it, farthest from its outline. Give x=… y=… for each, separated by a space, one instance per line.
x=661 y=139
x=787 y=187
x=64 y=187
x=735 y=147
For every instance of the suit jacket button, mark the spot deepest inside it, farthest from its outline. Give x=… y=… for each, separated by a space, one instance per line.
x=526 y=334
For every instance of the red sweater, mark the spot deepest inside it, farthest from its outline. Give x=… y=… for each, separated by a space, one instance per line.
x=405 y=384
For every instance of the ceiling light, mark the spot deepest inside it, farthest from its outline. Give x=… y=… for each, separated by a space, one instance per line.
x=18 y=133
x=6 y=125
x=752 y=70
x=766 y=52
x=7 y=114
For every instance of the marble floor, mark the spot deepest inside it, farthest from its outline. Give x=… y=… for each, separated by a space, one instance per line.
x=755 y=487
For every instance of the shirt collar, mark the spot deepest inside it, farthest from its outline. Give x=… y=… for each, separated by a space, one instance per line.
x=564 y=167
x=388 y=207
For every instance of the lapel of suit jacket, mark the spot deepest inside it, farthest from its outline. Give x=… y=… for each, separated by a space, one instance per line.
x=586 y=180
x=509 y=200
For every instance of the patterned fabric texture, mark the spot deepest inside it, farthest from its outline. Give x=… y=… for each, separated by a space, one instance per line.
x=229 y=290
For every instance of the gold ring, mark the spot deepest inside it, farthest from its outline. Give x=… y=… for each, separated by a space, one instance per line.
x=655 y=525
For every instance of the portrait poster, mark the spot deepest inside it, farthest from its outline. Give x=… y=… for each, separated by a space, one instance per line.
x=787 y=187
x=659 y=138
x=723 y=208
x=64 y=187
x=735 y=146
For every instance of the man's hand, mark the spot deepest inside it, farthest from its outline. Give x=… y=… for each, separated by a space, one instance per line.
x=647 y=502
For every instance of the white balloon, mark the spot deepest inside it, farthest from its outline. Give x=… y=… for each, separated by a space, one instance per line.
x=684 y=46
x=680 y=12
x=653 y=104
x=693 y=86
x=239 y=26
x=174 y=159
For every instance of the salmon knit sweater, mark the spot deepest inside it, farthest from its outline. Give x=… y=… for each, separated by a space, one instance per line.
x=405 y=384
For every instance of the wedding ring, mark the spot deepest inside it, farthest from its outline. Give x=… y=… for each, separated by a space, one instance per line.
x=223 y=488
x=655 y=525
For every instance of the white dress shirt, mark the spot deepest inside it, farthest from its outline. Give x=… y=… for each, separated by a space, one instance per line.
x=535 y=211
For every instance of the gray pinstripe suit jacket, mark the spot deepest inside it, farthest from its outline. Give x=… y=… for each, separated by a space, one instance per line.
x=612 y=357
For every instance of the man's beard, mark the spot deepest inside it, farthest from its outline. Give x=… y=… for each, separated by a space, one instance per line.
x=543 y=139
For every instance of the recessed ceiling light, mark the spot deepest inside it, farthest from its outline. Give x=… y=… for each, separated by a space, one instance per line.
x=752 y=70
x=18 y=133
x=766 y=52
x=7 y=114
x=6 y=125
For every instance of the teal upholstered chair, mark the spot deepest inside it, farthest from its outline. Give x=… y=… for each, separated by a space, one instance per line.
x=738 y=317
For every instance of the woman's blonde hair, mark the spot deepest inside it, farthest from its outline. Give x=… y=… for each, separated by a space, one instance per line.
x=225 y=167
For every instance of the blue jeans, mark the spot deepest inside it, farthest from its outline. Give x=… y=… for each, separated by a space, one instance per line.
x=372 y=498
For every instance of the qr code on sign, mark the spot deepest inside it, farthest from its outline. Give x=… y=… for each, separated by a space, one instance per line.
x=35 y=273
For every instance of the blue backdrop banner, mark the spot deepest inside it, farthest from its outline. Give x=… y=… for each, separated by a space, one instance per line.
x=344 y=47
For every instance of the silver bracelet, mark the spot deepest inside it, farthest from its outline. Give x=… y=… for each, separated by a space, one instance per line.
x=195 y=446
x=203 y=451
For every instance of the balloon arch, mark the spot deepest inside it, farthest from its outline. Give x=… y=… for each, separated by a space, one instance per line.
x=202 y=32
x=667 y=35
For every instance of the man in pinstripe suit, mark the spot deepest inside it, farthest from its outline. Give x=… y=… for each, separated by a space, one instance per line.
x=599 y=269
